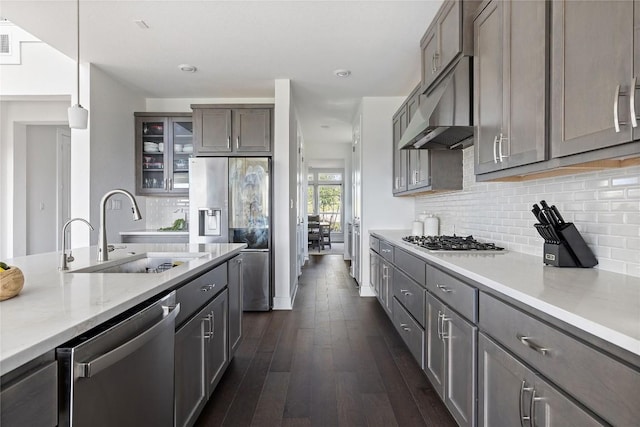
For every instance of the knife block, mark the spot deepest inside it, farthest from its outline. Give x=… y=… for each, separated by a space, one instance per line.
x=570 y=251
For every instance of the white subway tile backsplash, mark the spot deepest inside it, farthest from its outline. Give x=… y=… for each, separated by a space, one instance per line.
x=163 y=211
x=605 y=206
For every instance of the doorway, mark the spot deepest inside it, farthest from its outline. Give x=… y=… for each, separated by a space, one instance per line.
x=325 y=197
x=48 y=172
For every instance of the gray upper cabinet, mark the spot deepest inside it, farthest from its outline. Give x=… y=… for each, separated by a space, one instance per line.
x=443 y=41
x=222 y=130
x=418 y=159
x=400 y=158
x=592 y=71
x=510 y=84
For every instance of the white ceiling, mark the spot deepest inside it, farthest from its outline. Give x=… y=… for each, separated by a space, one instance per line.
x=240 y=47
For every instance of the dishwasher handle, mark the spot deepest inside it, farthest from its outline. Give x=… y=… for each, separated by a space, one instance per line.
x=93 y=367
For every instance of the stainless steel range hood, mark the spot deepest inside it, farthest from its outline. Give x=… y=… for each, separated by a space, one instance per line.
x=444 y=119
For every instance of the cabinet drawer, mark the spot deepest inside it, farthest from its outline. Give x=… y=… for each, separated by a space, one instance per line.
x=32 y=399
x=386 y=250
x=410 y=264
x=197 y=292
x=604 y=385
x=374 y=243
x=455 y=293
x=410 y=295
x=412 y=333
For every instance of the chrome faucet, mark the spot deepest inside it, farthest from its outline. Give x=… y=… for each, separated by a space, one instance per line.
x=102 y=233
x=68 y=258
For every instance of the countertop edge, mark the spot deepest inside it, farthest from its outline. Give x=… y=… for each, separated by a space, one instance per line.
x=602 y=332
x=26 y=353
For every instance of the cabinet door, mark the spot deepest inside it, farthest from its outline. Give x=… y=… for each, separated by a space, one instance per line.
x=180 y=149
x=400 y=157
x=449 y=34
x=525 y=83
x=235 y=303
x=592 y=60
x=190 y=384
x=510 y=394
x=374 y=272
x=252 y=130
x=429 y=48
x=487 y=83
x=212 y=130
x=152 y=147
x=434 y=345
x=217 y=355
x=386 y=283
x=636 y=66
x=461 y=346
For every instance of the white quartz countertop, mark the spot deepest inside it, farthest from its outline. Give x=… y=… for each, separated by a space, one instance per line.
x=601 y=303
x=151 y=232
x=55 y=306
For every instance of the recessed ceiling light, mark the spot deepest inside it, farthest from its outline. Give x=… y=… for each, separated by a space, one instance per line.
x=187 y=68
x=342 y=73
x=325 y=126
x=140 y=23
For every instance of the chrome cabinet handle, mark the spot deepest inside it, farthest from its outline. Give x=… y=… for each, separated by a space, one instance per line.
x=523 y=418
x=213 y=324
x=170 y=183
x=445 y=335
x=229 y=142
x=207 y=288
x=166 y=184
x=433 y=63
x=405 y=292
x=632 y=102
x=237 y=142
x=444 y=289
x=616 y=119
x=405 y=327
x=500 y=156
x=208 y=334
x=532 y=408
x=495 y=154
x=438 y=327
x=436 y=62
x=536 y=347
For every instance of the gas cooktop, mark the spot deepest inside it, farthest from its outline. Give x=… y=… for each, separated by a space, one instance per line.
x=451 y=243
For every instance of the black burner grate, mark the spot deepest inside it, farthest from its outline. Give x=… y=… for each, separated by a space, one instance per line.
x=451 y=243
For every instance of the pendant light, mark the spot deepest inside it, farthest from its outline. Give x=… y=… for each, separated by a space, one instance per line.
x=78 y=116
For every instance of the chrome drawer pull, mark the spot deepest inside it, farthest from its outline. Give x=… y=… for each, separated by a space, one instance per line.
x=495 y=154
x=405 y=292
x=532 y=408
x=208 y=334
x=207 y=288
x=439 y=328
x=523 y=418
x=405 y=327
x=444 y=334
x=444 y=289
x=533 y=346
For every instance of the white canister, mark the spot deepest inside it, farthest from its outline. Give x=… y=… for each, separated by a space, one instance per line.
x=417 y=228
x=431 y=226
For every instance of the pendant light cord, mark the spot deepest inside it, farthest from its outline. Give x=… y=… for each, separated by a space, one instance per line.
x=78 y=51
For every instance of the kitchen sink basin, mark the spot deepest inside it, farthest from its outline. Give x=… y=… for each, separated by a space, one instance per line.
x=150 y=262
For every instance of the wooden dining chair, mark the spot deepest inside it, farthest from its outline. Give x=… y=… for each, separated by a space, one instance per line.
x=314 y=237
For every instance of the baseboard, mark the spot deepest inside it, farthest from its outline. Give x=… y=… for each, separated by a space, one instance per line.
x=367 y=291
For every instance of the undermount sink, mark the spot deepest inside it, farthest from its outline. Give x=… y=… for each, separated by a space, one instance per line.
x=149 y=262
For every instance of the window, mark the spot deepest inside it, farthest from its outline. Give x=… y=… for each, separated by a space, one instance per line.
x=324 y=196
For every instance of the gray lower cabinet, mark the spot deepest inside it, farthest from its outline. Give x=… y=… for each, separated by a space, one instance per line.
x=511 y=394
x=201 y=355
x=510 y=84
x=386 y=285
x=601 y=383
x=592 y=69
x=235 y=304
x=30 y=397
x=450 y=359
x=374 y=271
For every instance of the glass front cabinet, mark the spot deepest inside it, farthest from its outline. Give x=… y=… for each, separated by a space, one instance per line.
x=164 y=144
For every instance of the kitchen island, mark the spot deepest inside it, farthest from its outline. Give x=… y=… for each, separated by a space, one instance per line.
x=55 y=306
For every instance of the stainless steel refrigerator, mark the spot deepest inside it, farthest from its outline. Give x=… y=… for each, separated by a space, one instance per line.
x=230 y=201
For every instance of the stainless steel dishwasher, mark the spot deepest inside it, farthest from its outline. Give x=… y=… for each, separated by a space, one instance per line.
x=121 y=373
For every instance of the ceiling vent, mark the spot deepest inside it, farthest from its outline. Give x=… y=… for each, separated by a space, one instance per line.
x=5 y=44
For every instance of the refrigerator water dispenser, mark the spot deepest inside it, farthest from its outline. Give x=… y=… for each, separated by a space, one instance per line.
x=209 y=221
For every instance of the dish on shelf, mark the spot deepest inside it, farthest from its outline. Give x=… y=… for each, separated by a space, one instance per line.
x=187 y=148
x=149 y=150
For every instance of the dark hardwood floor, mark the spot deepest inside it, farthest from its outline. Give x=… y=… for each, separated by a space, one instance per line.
x=334 y=360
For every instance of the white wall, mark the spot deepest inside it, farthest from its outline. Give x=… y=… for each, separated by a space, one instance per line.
x=112 y=150
x=605 y=206
x=284 y=197
x=380 y=210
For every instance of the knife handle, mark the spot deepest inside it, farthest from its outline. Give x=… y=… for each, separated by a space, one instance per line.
x=556 y=212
